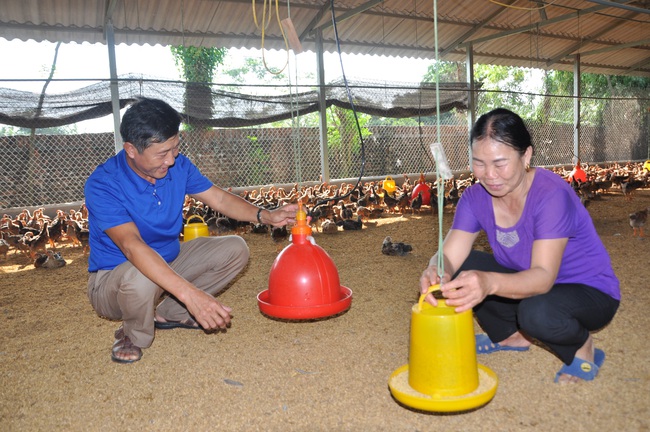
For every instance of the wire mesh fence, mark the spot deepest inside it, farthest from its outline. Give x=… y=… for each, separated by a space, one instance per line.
x=49 y=166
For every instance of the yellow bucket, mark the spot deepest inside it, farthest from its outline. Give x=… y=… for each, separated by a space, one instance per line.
x=442 y=351
x=196 y=229
x=389 y=185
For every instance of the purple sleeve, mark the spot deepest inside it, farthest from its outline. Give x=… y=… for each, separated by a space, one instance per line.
x=466 y=218
x=554 y=217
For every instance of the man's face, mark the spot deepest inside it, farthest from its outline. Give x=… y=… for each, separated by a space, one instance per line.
x=153 y=162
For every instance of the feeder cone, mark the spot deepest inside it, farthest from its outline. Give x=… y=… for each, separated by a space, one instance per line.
x=578 y=174
x=443 y=374
x=303 y=282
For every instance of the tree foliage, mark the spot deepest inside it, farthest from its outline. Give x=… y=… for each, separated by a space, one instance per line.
x=596 y=92
x=197 y=64
x=253 y=69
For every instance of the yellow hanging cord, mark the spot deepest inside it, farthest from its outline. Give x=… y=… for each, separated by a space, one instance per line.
x=263 y=30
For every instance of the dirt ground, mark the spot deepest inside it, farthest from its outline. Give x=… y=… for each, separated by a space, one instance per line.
x=326 y=375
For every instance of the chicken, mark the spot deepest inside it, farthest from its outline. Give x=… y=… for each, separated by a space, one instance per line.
x=260 y=228
x=453 y=196
x=376 y=212
x=78 y=234
x=14 y=241
x=4 y=247
x=317 y=214
x=37 y=242
x=220 y=225
x=279 y=236
x=347 y=212
x=351 y=224
x=56 y=229
x=49 y=260
x=329 y=227
x=629 y=187
x=395 y=249
x=363 y=213
x=390 y=202
x=403 y=202
x=638 y=220
x=416 y=203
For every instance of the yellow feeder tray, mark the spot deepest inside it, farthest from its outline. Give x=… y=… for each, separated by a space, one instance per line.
x=405 y=394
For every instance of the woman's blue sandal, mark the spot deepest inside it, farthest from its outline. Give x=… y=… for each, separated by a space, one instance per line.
x=484 y=345
x=583 y=369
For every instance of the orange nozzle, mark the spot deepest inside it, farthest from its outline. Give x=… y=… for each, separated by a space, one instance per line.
x=301 y=227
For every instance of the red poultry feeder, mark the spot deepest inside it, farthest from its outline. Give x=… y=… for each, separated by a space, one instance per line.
x=303 y=282
x=423 y=188
x=578 y=174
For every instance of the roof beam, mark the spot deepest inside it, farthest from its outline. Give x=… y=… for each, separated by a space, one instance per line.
x=452 y=46
x=616 y=47
x=620 y=5
x=572 y=49
x=317 y=18
x=352 y=12
x=639 y=65
x=535 y=26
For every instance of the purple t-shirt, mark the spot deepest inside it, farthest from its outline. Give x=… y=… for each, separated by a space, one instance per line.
x=552 y=210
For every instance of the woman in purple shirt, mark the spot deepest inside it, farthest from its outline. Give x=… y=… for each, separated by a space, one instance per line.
x=549 y=278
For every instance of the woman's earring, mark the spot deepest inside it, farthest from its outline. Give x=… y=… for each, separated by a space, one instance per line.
x=527 y=167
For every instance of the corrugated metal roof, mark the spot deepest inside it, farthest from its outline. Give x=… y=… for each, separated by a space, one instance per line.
x=612 y=37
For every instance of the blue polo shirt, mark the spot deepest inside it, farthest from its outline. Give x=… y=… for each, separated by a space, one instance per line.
x=115 y=195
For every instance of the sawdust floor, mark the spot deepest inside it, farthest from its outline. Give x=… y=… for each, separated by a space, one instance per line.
x=328 y=375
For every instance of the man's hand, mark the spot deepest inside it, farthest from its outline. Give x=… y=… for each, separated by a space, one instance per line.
x=207 y=311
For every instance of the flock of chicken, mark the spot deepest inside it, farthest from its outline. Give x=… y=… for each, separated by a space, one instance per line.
x=37 y=235
x=330 y=208
x=591 y=181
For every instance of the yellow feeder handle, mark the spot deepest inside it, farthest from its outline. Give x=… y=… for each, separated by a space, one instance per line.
x=431 y=289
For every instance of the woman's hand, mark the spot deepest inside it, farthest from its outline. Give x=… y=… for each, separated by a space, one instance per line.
x=467 y=290
x=430 y=277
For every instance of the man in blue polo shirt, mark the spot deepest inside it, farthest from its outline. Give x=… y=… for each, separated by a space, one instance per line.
x=135 y=215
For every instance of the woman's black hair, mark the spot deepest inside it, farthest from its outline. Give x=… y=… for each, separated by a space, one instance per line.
x=504 y=126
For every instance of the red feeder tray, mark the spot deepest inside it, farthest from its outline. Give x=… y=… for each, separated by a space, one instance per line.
x=304 y=282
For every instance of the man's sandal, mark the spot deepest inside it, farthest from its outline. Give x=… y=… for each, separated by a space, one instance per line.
x=123 y=345
x=187 y=323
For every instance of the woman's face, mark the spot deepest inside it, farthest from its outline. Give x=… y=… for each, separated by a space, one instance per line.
x=499 y=167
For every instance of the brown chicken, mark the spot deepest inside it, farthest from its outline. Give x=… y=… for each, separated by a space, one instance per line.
x=629 y=187
x=78 y=234
x=49 y=260
x=329 y=227
x=279 y=236
x=4 y=247
x=37 y=243
x=638 y=220
x=56 y=229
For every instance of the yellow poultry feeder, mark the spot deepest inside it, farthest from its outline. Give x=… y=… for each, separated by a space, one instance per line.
x=195 y=229
x=389 y=185
x=442 y=374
